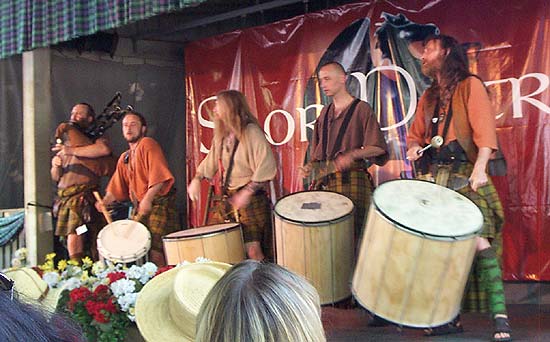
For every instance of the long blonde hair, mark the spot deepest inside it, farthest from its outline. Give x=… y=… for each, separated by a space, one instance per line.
x=260 y=302
x=239 y=115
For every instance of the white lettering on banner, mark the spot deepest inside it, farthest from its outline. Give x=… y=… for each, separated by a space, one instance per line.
x=205 y=123
x=362 y=78
x=290 y=129
x=303 y=119
x=517 y=98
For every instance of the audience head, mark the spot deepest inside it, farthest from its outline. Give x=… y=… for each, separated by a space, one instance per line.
x=260 y=302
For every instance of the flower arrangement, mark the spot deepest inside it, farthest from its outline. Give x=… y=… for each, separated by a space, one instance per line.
x=100 y=296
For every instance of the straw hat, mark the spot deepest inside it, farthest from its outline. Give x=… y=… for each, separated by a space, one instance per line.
x=32 y=288
x=167 y=306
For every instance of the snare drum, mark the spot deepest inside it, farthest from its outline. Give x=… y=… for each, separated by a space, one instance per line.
x=124 y=241
x=218 y=242
x=416 y=253
x=314 y=238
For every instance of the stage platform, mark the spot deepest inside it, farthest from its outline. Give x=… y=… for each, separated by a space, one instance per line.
x=530 y=322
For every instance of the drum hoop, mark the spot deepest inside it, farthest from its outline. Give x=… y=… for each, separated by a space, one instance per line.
x=192 y=237
x=421 y=233
x=318 y=223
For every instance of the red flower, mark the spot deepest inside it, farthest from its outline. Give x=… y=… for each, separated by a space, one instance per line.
x=163 y=269
x=79 y=295
x=114 y=276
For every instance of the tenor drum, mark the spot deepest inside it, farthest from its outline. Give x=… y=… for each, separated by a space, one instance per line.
x=314 y=238
x=124 y=241
x=218 y=242
x=416 y=253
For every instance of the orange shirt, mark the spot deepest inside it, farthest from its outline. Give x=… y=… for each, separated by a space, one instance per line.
x=144 y=167
x=469 y=96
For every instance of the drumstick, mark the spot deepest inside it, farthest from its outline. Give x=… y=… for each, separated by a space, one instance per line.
x=104 y=210
x=437 y=142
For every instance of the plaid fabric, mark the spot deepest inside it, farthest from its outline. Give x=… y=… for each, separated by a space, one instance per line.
x=255 y=220
x=74 y=200
x=26 y=25
x=486 y=198
x=162 y=220
x=357 y=185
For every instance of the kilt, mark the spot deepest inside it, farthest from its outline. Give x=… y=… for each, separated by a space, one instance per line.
x=162 y=220
x=255 y=219
x=486 y=198
x=76 y=208
x=357 y=185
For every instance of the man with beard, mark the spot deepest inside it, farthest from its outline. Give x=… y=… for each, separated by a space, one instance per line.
x=457 y=107
x=142 y=176
x=77 y=167
x=243 y=156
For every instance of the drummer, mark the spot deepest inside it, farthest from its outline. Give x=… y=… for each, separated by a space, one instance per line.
x=346 y=138
x=142 y=176
x=243 y=156
x=469 y=138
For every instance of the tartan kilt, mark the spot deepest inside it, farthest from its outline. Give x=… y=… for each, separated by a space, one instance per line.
x=486 y=198
x=255 y=219
x=357 y=185
x=162 y=220
x=74 y=201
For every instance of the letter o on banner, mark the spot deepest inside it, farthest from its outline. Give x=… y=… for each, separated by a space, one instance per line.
x=290 y=130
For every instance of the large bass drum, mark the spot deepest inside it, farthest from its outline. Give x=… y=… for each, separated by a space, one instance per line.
x=416 y=253
x=314 y=238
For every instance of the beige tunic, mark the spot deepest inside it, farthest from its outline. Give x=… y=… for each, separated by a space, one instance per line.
x=253 y=160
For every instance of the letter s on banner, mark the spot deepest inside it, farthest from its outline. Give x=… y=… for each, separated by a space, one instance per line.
x=290 y=129
x=205 y=123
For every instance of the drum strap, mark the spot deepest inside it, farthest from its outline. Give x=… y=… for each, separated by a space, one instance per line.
x=225 y=178
x=341 y=132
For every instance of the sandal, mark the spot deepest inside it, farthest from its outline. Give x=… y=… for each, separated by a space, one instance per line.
x=502 y=326
x=453 y=327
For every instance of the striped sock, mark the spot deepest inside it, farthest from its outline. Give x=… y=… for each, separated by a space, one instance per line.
x=491 y=278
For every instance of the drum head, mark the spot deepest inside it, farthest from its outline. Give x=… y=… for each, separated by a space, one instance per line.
x=124 y=240
x=215 y=228
x=427 y=208
x=313 y=207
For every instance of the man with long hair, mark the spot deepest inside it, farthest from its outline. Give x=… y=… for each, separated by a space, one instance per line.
x=243 y=156
x=142 y=175
x=457 y=107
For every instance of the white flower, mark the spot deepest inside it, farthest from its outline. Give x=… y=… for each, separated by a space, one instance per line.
x=98 y=267
x=16 y=263
x=52 y=278
x=21 y=253
x=149 y=268
x=123 y=286
x=126 y=301
x=71 y=283
x=135 y=272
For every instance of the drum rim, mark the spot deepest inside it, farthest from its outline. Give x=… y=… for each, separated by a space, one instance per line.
x=180 y=238
x=421 y=233
x=317 y=223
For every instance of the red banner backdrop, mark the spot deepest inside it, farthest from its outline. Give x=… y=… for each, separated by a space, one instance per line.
x=274 y=66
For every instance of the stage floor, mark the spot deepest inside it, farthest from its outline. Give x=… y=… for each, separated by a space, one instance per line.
x=530 y=322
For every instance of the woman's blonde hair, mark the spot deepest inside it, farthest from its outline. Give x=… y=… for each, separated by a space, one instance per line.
x=238 y=117
x=260 y=302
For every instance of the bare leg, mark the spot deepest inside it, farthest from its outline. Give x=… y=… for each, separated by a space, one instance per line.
x=254 y=250
x=157 y=257
x=75 y=246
